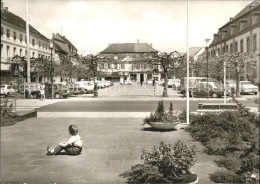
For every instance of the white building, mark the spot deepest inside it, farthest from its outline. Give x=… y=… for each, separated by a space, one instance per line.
x=128 y=65
x=13 y=42
x=240 y=34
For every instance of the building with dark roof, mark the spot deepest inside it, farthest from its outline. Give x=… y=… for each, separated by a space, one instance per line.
x=14 y=42
x=63 y=47
x=240 y=34
x=128 y=65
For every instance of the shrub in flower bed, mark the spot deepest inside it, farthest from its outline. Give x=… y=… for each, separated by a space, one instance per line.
x=234 y=135
x=165 y=164
x=256 y=100
x=8 y=117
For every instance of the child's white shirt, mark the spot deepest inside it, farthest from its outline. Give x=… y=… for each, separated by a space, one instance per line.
x=75 y=140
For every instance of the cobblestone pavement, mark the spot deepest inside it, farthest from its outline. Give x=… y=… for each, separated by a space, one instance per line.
x=111 y=146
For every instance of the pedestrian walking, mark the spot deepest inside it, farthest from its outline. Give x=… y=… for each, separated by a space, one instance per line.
x=73 y=146
x=153 y=81
x=42 y=91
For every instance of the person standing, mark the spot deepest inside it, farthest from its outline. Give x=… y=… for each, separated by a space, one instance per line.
x=153 y=81
x=42 y=91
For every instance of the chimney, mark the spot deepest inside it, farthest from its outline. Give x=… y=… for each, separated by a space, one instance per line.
x=151 y=44
x=6 y=8
x=137 y=40
x=231 y=18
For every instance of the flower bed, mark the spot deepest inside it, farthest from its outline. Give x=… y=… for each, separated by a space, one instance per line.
x=234 y=135
x=161 y=119
x=165 y=164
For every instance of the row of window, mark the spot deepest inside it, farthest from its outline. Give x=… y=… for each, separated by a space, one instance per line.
x=234 y=48
x=19 y=52
x=41 y=44
x=134 y=66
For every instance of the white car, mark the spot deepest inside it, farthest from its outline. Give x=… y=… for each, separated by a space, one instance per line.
x=7 y=90
x=174 y=83
x=86 y=85
x=247 y=87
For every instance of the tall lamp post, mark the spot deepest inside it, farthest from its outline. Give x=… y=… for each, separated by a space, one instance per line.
x=207 y=58
x=51 y=47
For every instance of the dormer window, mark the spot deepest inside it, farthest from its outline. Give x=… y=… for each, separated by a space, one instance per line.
x=255 y=16
x=242 y=23
x=224 y=33
x=232 y=28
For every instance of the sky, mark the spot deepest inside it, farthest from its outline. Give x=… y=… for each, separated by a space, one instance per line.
x=92 y=25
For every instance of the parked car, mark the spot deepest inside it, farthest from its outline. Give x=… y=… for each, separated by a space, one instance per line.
x=31 y=89
x=59 y=90
x=200 y=89
x=174 y=83
x=7 y=90
x=247 y=87
x=88 y=86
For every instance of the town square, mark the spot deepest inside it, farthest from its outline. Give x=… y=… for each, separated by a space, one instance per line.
x=130 y=91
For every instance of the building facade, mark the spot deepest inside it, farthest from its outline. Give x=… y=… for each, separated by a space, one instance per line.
x=195 y=53
x=128 y=64
x=241 y=34
x=14 y=42
x=64 y=48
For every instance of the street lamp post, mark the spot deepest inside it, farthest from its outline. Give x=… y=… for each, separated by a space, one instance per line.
x=207 y=58
x=51 y=47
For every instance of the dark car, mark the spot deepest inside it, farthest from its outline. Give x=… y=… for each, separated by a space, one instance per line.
x=59 y=90
x=201 y=90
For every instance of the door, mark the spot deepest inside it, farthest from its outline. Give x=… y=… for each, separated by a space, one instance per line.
x=200 y=90
x=141 y=77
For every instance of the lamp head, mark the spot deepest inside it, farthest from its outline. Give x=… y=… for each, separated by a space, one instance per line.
x=51 y=44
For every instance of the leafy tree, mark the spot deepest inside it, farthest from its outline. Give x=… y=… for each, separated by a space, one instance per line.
x=66 y=68
x=91 y=66
x=170 y=63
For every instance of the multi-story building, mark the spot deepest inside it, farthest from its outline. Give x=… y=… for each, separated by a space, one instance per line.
x=14 y=42
x=64 y=48
x=241 y=34
x=128 y=64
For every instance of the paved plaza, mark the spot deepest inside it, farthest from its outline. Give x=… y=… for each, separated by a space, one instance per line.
x=111 y=146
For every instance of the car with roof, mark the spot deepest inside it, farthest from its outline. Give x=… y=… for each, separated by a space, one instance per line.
x=201 y=89
x=59 y=90
x=88 y=86
x=7 y=90
x=247 y=87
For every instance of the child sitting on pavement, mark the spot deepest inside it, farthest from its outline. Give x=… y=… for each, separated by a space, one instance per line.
x=72 y=147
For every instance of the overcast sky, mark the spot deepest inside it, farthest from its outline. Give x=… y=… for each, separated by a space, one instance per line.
x=92 y=25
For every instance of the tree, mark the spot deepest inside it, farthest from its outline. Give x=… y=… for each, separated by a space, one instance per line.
x=239 y=63
x=91 y=67
x=236 y=63
x=66 y=67
x=170 y=62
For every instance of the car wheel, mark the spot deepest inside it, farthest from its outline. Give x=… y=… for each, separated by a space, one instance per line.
x=57 y=95
x=8 y=95
x=242 y=92
x=214 y=95
x=35 y=96
x=255 y=93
